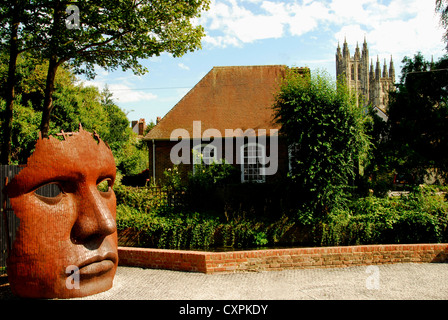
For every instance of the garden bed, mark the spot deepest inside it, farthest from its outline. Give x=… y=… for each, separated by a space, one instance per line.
x=420 y=216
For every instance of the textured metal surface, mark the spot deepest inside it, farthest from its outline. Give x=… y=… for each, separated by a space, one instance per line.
x=66 y=243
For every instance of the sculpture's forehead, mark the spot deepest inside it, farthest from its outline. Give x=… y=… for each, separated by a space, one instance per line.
x=79 y=152
x=78 y=157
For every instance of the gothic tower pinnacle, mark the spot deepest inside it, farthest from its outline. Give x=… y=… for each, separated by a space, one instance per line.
x=392 y=69
x=377 y=68
x=385 y=74
x=371 y=84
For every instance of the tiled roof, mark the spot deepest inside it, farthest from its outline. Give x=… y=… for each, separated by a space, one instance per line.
x=238 y=97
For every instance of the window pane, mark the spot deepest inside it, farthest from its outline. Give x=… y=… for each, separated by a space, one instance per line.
x=252 y=168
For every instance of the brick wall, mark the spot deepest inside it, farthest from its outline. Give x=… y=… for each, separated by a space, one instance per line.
x=162 y=159
x=162 y=259
x=281 y=259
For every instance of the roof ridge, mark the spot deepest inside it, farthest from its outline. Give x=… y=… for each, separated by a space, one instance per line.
x=249 y=66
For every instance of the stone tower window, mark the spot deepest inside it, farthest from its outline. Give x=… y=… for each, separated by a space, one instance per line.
x=353 y=71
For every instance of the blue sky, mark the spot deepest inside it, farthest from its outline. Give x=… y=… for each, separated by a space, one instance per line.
x=288 y=32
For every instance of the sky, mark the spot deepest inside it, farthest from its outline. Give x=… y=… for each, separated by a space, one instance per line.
x=295 y=33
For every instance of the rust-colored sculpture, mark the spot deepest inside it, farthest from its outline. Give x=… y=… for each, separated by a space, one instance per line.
x=66 y=244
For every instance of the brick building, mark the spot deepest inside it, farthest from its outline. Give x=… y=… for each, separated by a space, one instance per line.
x=227 y=115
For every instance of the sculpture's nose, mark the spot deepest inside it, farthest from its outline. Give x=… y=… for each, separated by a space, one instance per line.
x=95 y=220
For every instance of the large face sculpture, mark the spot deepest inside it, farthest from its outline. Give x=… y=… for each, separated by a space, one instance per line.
x=66 y=244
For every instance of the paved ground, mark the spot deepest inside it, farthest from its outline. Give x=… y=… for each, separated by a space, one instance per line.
x=398 y=281
x=406 y=281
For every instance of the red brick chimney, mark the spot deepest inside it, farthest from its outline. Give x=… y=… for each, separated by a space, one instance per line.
x=141 y=127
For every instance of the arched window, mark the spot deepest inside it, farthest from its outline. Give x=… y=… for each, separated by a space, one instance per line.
x=252 y=159
x=352 y=67
x=204 y=154
x=359 y=72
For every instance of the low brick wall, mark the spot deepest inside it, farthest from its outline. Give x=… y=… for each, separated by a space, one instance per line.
x=281 y=259
x=162 y=259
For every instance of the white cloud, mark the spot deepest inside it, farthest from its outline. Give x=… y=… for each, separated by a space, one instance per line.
x=253 y=28
x=125 y=94
x=231 y=23
x=360 y=11
x=183 y=66
x=122 y=93
x=306 y=18
x=399 y=29
x=221 y=41
x=400 y=26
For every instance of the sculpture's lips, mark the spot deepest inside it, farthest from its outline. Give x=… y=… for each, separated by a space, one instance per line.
x=97 y=265
x=97 y=268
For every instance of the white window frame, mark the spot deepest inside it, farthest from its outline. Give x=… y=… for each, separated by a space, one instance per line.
x=261 y=160
x=198 y=154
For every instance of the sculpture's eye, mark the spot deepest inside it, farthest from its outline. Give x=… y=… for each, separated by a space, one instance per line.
x=104 y=186
x=50 y=193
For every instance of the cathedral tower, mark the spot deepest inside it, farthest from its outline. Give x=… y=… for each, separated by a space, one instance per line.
x=371 y=85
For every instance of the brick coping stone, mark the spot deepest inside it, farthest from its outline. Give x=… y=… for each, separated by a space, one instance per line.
x=281 y=259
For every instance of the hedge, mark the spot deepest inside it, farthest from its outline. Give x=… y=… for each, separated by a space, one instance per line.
x=417 y=217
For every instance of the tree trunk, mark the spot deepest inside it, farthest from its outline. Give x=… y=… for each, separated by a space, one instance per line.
x=8 y=113
x=51 y=73
x=48 y=100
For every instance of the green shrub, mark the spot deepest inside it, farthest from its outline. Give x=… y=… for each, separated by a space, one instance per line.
x=323 y=121
x=143 y=199
x=191 y=231
x=202 y=190
x=420 y=216
x=416 y=217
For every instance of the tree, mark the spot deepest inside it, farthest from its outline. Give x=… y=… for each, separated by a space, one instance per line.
x=13 y=53
x=106 y=33
x=118 y=122
x=325 y=128
x=12 y=15
x=115 y=34
x=418 y=117
x=131 y=155
x=74 y=103
x=442 y=9
x=25 y=118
